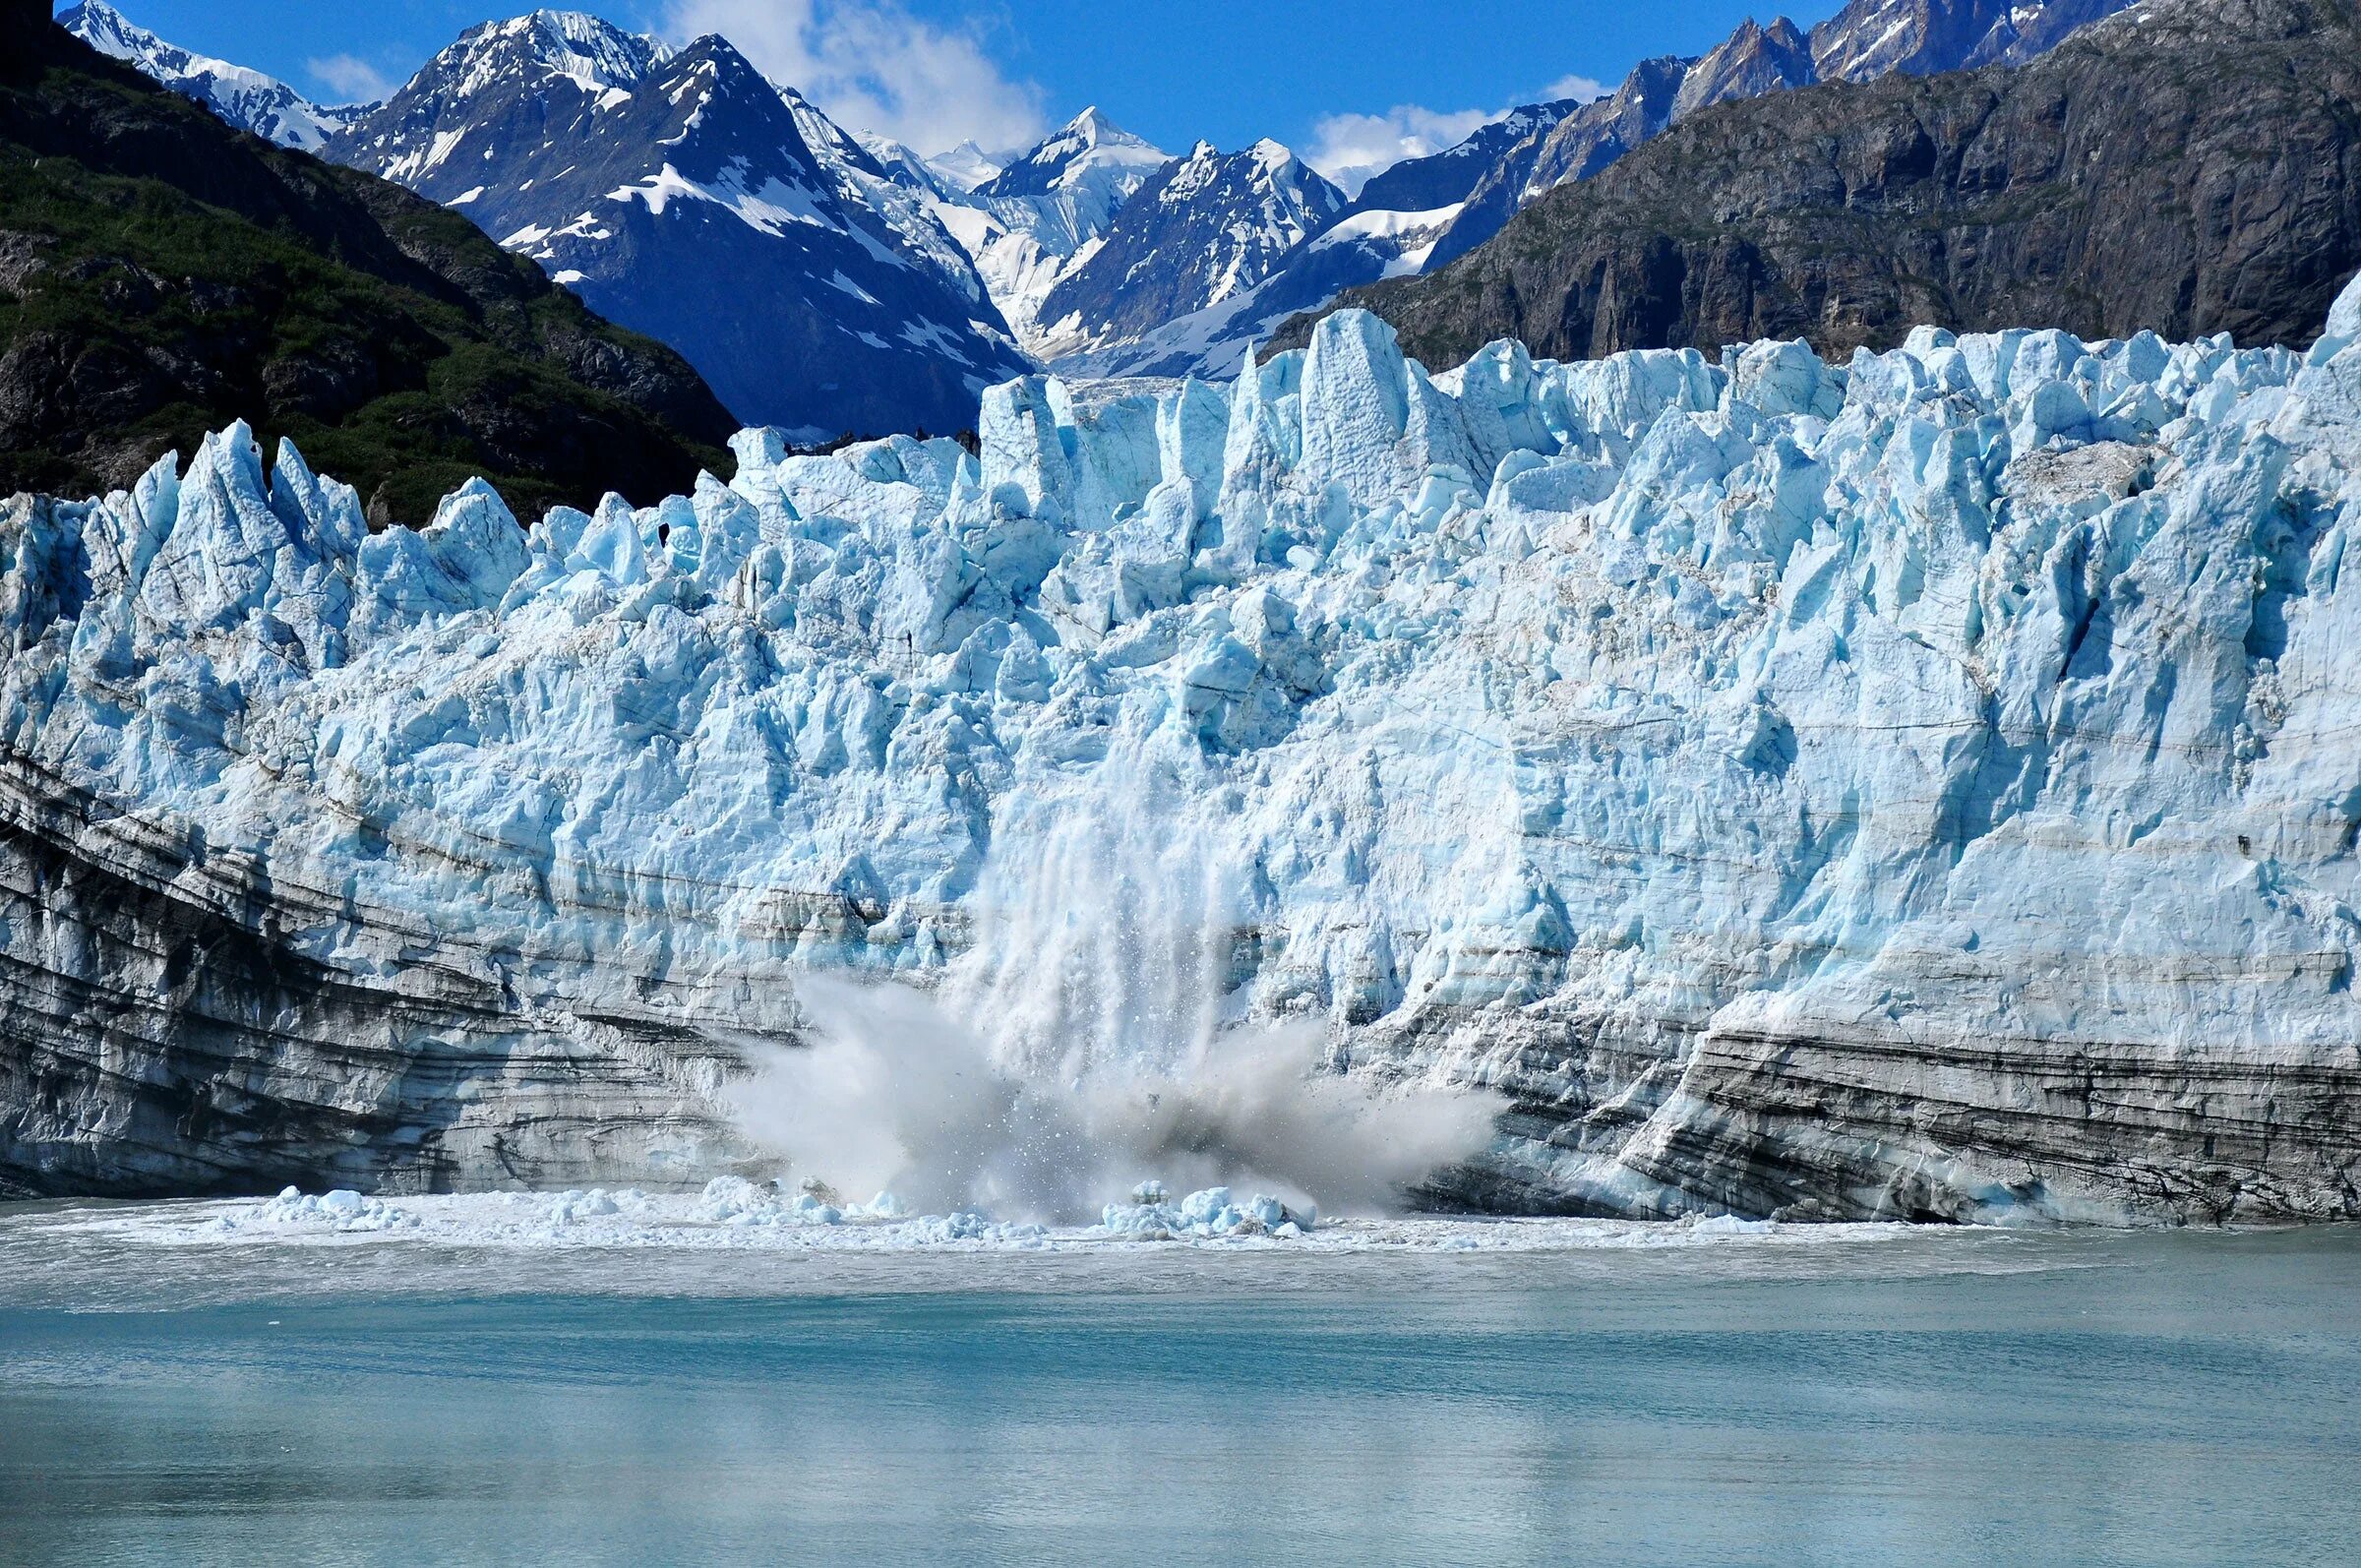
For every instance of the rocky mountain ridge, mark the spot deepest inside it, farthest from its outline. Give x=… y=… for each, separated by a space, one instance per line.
x=2193 y=168
x=245 y=99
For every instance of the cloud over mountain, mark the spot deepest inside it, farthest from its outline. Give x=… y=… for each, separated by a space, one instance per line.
x=873 y=65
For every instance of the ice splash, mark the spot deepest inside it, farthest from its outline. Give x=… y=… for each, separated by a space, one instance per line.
x=893 y=1094
x=1093 y=1036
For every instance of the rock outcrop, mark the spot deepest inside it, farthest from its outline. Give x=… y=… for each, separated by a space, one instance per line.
x=2188 y=167
x=1921 y=785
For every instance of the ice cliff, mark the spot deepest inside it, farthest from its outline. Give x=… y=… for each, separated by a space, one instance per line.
x=1924 y=786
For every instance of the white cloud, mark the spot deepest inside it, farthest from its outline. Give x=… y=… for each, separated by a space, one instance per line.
x=351 y=77
x=873 y=66
x=1353 y=148
x=1574 y=87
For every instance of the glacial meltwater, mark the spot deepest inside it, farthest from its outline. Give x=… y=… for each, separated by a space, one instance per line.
x=509 y=1379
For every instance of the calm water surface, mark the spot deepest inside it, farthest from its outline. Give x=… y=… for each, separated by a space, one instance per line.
x=1930 y=1398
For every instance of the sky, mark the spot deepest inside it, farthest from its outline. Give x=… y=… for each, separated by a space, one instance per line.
x=1350 y=84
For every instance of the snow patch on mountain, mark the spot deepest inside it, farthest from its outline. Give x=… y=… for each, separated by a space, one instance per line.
x=687 y=197
x=245 y=98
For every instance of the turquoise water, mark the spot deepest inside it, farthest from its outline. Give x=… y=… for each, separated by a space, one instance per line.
x=1933 y=1397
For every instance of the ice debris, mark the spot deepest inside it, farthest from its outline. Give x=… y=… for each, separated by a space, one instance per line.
x=739 y=1201
x=340 y=1210
x=1210 y=1214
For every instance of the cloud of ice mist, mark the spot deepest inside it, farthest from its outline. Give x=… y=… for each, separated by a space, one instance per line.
x=895 y=1095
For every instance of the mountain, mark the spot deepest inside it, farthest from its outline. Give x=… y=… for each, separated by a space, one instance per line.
x=967 y=165
x=1080 y=173
x=1427 y=212
x=247 y=100
x=1391 y=229
x=1041 y=214
x=1867 y=39
x=162 y=274
x=1870 y=39
x=1200 y=230
x=1919 y=786
x=2191 y=167
x=1449 y=177
x=685 y=195
x=926 y=278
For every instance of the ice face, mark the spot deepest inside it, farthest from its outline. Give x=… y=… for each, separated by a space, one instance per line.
x=1625 y=735
x=2345 y=318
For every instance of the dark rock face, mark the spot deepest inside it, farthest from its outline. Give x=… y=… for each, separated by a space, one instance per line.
x=21 y=20
x=2193 y=171
x=679 y=195
x=162 y=274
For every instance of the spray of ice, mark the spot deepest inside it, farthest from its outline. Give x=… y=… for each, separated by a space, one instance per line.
x=1093 y=1039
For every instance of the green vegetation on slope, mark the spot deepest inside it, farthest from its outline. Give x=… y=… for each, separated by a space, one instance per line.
x=162 y=274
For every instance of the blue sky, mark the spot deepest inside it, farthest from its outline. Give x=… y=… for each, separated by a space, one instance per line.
x=1345 y=81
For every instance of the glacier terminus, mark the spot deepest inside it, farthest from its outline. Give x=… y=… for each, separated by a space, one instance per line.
x=1918 y=787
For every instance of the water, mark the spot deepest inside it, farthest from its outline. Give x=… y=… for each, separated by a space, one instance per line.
x=1864 y=1397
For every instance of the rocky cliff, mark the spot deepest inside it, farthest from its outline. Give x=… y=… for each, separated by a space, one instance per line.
x=1919 y=785
x=2192 y=166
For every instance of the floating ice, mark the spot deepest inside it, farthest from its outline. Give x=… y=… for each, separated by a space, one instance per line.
x=342 y=1212
x=1211 y=1222
x=1206 y=1215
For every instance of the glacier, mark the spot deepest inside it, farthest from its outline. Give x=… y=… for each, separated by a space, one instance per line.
x=1918 y=787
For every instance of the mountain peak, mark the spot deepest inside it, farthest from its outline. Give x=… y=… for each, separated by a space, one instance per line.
x=967 y=165
x=1088 y=142
x=590 y=49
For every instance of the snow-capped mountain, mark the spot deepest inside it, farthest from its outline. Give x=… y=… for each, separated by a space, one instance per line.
x=1870 y=39
x=1073 y=182
x=1201 y=231
x=967 y=165
x=890 y=286
x=1390 y=230
x=247 y=100
x=1421 y=214
x=687 y=197
x=1040 y=216
x=1448 y=178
